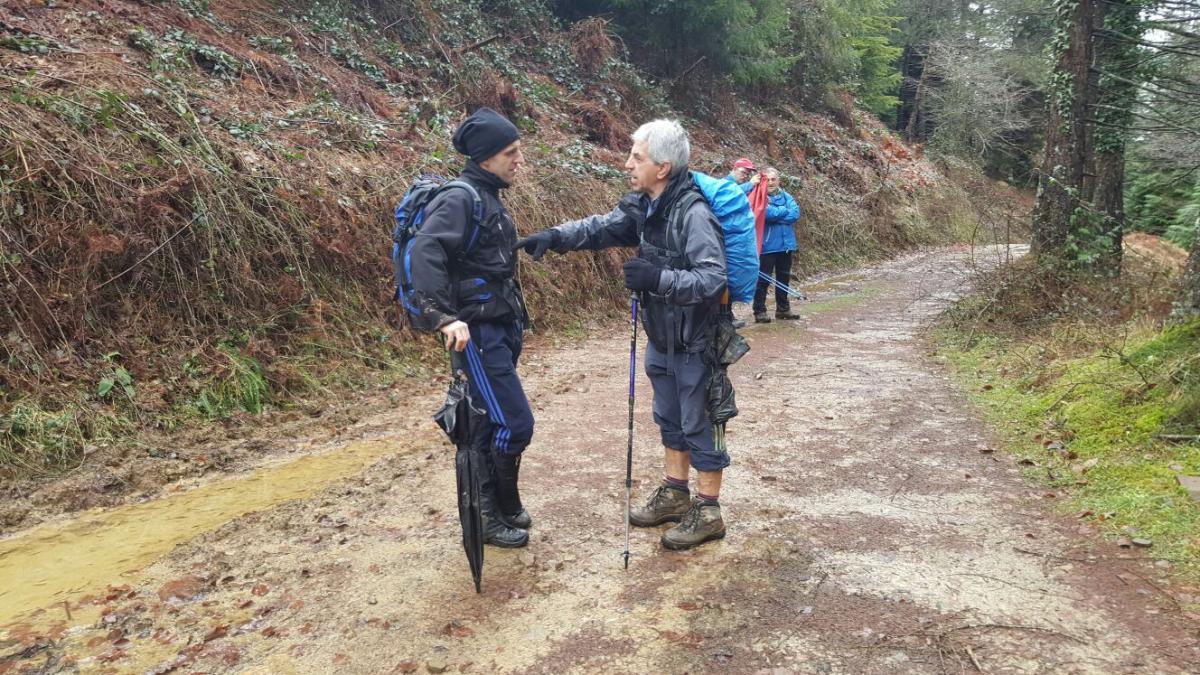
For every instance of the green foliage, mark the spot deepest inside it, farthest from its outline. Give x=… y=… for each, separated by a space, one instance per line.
x=877 y=80
x=37 y=441
x=1089 y=239
x=741 y=39
x=1183 y=230
x=819 y=46
x=176 y=50
x=239 y=387
x=573 y=158
x=1090 y=421
x=117 y=379
x=275 y=45
x=1119 y=63
x=98 y=109
x=197 y=8
x=846 y=45
x=30 y=43
x=1154 y=199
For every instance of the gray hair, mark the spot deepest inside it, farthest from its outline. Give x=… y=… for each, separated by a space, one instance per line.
x=771 y=171
x=666 y=141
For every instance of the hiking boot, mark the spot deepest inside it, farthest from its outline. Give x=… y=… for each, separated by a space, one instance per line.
x=786 y=315
x=497 y=533
x=520 y=520
x=739 y=323
x=665 y=505
x=761 y=317
x=507 y=472
x=701 y=523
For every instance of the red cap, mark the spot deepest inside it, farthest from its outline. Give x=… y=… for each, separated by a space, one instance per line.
x=744 y=163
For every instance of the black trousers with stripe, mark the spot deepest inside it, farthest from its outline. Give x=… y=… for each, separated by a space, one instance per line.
x=492 y=369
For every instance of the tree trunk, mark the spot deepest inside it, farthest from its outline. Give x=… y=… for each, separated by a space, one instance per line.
x=1110 y=207
x=910 y=64
x=1102 y=47
x=1061 y=177
x=1116 y=70
x=915 y=130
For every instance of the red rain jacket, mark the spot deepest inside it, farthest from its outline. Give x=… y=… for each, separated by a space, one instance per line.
x=758 y=203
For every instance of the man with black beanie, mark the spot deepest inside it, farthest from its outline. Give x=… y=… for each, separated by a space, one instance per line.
x=462 y=277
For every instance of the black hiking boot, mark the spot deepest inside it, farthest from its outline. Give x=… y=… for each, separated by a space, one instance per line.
x=786 y=315
x=508 y=496
x=665 y=505
x=761 y=317
x=701 y=523
x=495 y=531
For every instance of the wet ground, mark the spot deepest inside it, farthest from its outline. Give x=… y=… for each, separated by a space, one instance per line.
x=871 y=529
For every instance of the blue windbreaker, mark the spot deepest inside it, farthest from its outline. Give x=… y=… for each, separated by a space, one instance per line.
x=782 y=213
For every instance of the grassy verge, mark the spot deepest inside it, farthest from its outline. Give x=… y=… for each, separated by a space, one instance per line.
x=1087 y=407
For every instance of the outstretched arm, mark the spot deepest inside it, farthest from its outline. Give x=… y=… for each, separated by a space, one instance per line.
x=615 y=228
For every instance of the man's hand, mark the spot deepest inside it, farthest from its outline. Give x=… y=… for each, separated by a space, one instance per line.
x=457 y=335
x=642 y=275
x=536 y=245
x=755 y=178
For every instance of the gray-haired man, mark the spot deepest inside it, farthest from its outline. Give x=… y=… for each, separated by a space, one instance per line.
x=680 y=274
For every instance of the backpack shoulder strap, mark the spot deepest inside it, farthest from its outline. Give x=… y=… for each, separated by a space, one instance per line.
x=676 y=236
x=476 y=210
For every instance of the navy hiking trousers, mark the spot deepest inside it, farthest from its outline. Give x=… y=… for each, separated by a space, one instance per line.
x=681 y=406
x=492 y=369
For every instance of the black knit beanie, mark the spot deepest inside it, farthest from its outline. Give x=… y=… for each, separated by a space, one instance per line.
x=483 y=134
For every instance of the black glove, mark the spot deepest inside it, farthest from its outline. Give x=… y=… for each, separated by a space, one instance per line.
x=642 y=275
x=536 y=245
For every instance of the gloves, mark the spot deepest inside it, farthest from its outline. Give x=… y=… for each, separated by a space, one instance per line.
x=536 y=245
x=642 y=275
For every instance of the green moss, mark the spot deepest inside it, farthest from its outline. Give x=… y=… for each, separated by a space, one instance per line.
x=1107 y=407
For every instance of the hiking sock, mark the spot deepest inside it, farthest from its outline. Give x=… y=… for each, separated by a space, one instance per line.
x=676 y=483
x=708 y=499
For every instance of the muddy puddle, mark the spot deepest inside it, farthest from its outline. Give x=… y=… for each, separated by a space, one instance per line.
x=60 y=562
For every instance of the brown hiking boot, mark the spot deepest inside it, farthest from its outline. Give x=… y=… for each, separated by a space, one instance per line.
x=701 y=523
x=665 y=505
x=786 y=315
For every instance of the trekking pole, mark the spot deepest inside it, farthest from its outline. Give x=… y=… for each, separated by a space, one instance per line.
x=633 y=310
x=781 y=286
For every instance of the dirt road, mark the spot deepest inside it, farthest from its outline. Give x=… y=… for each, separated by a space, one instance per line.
x=869 y=531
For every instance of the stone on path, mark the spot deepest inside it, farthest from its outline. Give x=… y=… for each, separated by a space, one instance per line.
x=1191 y=484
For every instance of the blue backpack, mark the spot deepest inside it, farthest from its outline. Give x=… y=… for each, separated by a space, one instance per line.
x=732 y=208
x=410 y=215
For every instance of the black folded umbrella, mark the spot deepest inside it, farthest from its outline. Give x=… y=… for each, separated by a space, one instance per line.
x=454 y=417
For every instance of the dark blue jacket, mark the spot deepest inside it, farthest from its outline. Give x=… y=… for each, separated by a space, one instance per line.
x=451 y=282
x=782 y=214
